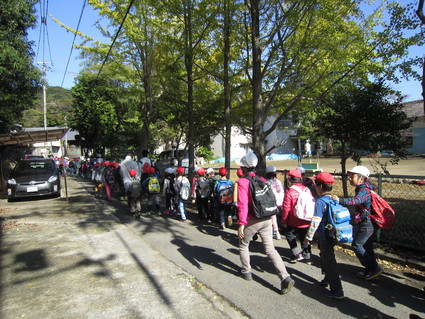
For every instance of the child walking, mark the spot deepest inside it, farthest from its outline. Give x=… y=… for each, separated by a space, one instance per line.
x=279 y=193
x=153 y=189
x=182 y=187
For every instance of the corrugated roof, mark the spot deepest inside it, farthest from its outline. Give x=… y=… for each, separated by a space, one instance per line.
x=32 y=135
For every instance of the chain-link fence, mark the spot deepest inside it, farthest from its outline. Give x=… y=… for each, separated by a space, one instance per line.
x=406 y=194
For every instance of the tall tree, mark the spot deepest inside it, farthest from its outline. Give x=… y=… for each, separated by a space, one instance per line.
x=299 y=50
x=367 y=118
x=99 y=112
x=19 y=78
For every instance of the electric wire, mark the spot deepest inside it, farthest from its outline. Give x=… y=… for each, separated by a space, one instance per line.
x=73 y=41
x=115 y=38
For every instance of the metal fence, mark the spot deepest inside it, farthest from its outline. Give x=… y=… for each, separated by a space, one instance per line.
x=406 y=194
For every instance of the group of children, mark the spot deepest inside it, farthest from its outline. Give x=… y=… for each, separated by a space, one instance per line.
x=216 y=199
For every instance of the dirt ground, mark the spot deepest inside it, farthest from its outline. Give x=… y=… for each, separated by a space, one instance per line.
x=414 y=166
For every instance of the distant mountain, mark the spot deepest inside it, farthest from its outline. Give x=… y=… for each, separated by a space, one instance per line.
x=58 y=105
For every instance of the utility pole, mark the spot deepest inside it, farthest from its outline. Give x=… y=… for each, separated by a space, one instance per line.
x=44 y=68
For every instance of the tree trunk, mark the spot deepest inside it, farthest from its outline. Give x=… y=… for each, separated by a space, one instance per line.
x=258 y=138
x=329 y=147
x=226 y=88
x=344 y=170
x=189 y=76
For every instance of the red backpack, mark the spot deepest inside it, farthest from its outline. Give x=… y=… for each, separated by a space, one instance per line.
x=381 y=212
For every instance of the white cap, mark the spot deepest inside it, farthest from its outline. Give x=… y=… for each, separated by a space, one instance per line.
x=271 y=169
x=301 y=169
x=362 y=170
x=169 y=170
x=210 y=171
x=248 y=160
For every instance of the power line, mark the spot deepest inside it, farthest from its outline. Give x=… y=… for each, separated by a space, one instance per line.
x=115 y=38
x=73 y=41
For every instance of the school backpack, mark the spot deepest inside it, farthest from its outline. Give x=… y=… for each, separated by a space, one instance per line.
x=224 y=191
x=169 y=188
x=109 y=176
x=304 y=209
x=263 y=199
x=336 y=222
x=278 y=190
x=153 y=185
x=203 y=187
x=381 y=212
x=184 y=189
x=135 y=189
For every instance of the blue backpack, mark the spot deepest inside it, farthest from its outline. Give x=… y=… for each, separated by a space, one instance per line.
x=336 y=222
x=224 y=191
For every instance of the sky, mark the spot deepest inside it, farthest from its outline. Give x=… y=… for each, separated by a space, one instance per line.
x=55 y=51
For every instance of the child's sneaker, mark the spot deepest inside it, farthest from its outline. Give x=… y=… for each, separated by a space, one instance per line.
x=229 y=221
x=335 y=294
x=374 y=274
x=276 y=235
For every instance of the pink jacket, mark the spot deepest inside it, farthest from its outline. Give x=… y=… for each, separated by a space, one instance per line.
x=244 y=200
x=289 y=202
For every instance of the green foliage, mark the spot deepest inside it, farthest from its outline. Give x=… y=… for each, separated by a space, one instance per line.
x=173 y=57
x=365 y=118
x=19 y=78
x=58 y=107
x=206 y=153
x=96 y=111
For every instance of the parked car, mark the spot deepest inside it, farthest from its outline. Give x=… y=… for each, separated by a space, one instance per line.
x=33 y=177
x=169 y=158
x=32 y=156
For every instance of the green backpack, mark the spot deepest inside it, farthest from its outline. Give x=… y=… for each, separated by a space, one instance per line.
x=153 y=186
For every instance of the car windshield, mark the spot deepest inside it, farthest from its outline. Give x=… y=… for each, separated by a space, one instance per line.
x=25 y=168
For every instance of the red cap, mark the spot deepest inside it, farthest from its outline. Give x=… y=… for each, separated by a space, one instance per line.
x=294 y=173
x=180 y=170
x=325 y=178
x=200 y=171
x=106 y=163
x=222 y=171
x=239 y=172
x=146 y=167
x=132 y=172
x=151 y=170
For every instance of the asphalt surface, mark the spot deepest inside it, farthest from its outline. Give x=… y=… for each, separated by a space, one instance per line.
x=87 y=258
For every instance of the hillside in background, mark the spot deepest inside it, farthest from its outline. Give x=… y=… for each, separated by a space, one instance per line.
x=58 y=105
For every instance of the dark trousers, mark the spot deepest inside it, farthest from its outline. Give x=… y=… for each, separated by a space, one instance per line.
x=203 y=208
x=329 y=264
x=169 y=202
x=291 y=234
x=223 y=211
x=363 y=239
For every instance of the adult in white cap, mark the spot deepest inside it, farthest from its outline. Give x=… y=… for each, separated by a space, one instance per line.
x=249 y=226
x=364 y=229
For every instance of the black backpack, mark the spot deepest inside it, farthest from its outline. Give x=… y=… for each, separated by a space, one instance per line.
x=203 y=188
x=109 y=176
x=263 y=199
x=135 y=189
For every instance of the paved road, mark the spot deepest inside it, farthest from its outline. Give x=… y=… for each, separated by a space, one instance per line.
x=86 y=258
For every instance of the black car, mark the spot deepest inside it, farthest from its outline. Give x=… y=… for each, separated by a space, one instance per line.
x=33 y=177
